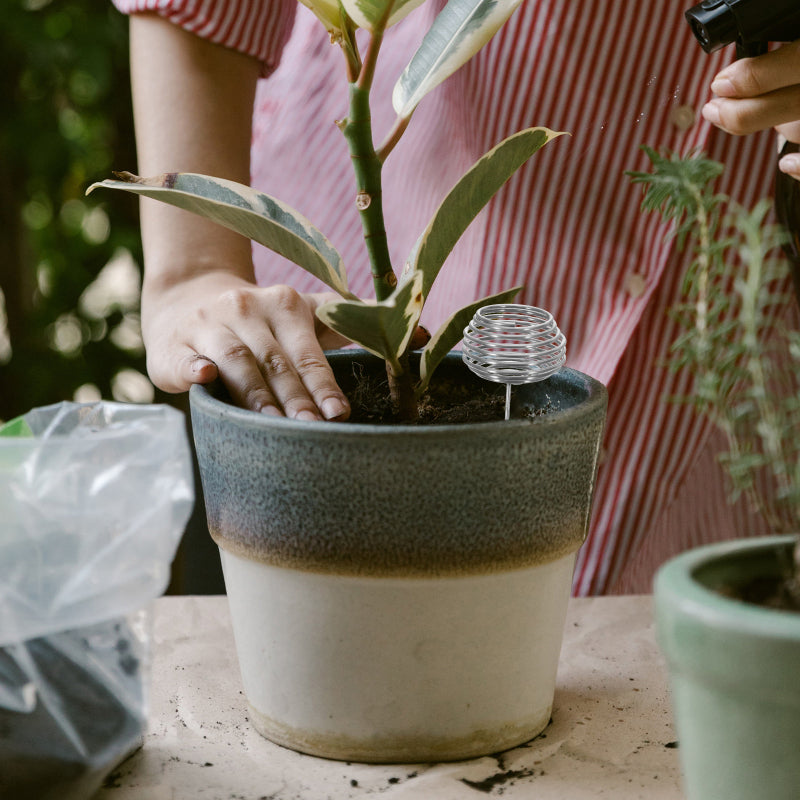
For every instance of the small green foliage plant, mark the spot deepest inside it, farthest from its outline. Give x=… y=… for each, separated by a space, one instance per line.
x=383 y=325
x=744 y=359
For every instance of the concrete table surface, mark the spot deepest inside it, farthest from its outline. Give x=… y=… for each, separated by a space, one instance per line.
x=611 y=734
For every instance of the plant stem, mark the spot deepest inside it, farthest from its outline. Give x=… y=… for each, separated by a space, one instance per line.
x=404 y=400
x=703 y=276
x=367 y=166
x=393 y=137
x=371 y=59
x=357 y=131
x=347 y=41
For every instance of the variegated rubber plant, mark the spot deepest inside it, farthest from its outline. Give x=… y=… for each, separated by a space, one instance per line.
x=383 y=326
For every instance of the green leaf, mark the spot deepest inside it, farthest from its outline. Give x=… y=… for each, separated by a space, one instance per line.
x=383 y=328
x=461 y=29
x=242 y=209
x=451 y=333
x=369 y=13
x=474 y=189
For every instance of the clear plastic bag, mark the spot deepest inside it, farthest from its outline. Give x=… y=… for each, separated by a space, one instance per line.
x=93 y=503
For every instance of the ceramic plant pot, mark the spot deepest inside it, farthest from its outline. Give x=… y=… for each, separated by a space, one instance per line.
x=398 y=593
x=735 y=673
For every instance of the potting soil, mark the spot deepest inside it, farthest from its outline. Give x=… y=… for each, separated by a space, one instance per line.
x=71 y=708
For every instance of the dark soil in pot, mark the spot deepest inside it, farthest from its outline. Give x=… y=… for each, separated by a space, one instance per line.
x=455 y=395
x=446 y=402
x=775 y=583
x=781 y=592
x=778 y=593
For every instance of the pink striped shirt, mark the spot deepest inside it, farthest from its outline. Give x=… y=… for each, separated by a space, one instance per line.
x=616 y=74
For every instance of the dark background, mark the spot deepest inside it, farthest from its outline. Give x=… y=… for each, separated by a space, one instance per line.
x=69 y=327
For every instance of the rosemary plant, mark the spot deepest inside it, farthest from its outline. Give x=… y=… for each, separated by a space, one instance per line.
x=744 y=360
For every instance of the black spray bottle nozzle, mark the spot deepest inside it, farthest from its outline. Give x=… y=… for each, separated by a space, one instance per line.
x=750 y=24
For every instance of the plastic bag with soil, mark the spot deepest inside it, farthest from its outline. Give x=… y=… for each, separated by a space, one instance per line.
x=93 y=501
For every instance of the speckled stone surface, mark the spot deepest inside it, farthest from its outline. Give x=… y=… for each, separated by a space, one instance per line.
x=611 y=737
x=398 y=500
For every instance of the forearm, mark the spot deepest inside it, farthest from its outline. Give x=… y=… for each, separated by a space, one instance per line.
x=193 y=105
x=203 y=318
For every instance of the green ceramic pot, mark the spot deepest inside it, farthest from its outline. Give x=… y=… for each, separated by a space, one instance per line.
x=398 y=593
x=734 y=672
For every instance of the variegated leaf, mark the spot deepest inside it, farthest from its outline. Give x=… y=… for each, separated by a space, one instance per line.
x=474 y=189
x=451 y=333
x=368 y=13
x=383 y=328
x=327 y=12
x=253 y=214
x=461 y=29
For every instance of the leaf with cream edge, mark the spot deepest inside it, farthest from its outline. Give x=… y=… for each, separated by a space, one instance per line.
x=461 y=29
x=368 y=13
x=251 y=213
x=328 y=13
x=469 y=195
x=384 y=328
x=451 y=333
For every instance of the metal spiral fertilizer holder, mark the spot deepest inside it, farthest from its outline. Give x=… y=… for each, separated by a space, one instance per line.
x=513 y=344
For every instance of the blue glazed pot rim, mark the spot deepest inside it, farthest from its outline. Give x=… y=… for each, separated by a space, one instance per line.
x=678 y=590
x=202 y=398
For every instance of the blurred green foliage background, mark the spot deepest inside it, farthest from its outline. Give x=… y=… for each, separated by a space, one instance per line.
x=70 y=268
x=70 y=265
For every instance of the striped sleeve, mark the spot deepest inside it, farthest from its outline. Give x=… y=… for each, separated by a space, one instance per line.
x=258 y=28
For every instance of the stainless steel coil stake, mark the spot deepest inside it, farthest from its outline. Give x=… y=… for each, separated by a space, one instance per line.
x=513 y=344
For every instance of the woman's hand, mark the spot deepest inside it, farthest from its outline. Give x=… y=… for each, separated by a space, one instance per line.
x=753 y=94
x=265 y=345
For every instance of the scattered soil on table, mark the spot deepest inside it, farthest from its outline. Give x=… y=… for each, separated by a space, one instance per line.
x=500 y=779
x=504 y=777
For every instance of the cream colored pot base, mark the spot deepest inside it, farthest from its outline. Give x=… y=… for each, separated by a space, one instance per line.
x=398 y=669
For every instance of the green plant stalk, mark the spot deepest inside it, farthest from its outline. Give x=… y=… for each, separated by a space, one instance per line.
x=367 y=166
x=357 y=130
x=347 y=41
x=703 y=274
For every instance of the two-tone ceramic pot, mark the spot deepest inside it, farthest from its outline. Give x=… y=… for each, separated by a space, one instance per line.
x=734 y=671
x=398 y=593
